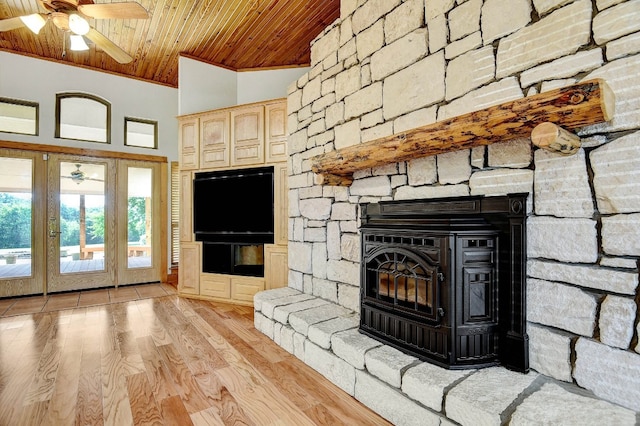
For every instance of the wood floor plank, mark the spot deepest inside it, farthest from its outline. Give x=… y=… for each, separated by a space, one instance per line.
x=143 y=405
x=321 y=415
x=240 y=364
x=267 y=406
x=32 y=414
x=155 y=328
x=192 y=396
x=287 y=383
x=207 y=417
x=62 y=405
x=196 y=351
x=44 y=378
x=165 y=361
x=174 y=412
x=137 y=324
x=115 y=400
x=16 y=386
x=157 y=372
x=232 y=345
x=224 y=405
x=89 y=410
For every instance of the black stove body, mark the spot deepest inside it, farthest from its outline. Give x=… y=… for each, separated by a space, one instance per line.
x=444 y=279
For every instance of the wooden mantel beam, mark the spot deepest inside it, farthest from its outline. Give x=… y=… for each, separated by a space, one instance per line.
x=571 y=107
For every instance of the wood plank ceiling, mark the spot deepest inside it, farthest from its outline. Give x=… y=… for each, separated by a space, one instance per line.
x=234 y=34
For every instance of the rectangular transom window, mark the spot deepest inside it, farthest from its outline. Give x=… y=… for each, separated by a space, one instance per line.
x=141 y=133
x=18 y=116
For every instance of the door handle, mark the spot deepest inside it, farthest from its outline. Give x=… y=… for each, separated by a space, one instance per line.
x=52 y=228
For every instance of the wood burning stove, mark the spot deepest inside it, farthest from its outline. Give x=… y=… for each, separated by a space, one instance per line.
x=444 y=279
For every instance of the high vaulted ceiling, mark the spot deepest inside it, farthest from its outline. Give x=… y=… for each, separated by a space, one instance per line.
x=235 y=34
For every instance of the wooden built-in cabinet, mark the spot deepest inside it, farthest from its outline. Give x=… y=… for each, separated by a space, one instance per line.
x=276 y=268
x=281 y=203
x=247 y=136
x=186 y=202
x=189 y=143
x=189 y=268
x=235 y=137
x=244 y=136
x=276 y=132
x=214 y=140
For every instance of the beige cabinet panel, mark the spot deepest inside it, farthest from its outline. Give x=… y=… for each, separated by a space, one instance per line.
x=214 y=140
x=280 y=204
x=247 y=136
x=189 y=269
x=189 y=145
x=243 y=289
x=276 y=266
x=215 y=286
x=186 y=216
x=276 y=131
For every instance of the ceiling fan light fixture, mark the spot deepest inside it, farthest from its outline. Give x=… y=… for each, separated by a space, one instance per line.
x=77 y=43
x=77 y=175
x=34 y=22
x=78 y=24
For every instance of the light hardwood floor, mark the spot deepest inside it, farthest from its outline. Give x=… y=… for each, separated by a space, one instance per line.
x=150 y=357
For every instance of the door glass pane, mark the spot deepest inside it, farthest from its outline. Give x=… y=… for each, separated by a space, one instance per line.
x=81 y=222
x=140 y=215
x=15 y=217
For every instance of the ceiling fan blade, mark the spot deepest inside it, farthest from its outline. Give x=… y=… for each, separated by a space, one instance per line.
x=108 y=46
x=34 y=22
x=11 y=24
x=124 y=10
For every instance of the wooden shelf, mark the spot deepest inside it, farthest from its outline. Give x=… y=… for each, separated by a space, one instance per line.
x=571 y=107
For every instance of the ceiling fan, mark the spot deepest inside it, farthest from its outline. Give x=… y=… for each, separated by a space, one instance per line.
x=71 y=16
x=78 y=176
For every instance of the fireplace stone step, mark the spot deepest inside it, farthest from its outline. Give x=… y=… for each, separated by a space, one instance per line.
x=407 y=391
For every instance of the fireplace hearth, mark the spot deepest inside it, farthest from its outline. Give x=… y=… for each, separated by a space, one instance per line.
x=444 y=279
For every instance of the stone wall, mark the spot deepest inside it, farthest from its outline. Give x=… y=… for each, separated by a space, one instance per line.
x=390 y=65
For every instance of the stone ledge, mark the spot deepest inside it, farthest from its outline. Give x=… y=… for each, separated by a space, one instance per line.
x=407 y=391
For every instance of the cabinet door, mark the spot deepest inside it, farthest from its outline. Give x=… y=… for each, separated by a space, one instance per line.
x=189 y=268
x=243 y=289
x=186 y=206
x=247 y=136
x=215 y=286
x=214 y=140
x=189 y=146
x=276 y=266
x=280 y=204
x=276 y=132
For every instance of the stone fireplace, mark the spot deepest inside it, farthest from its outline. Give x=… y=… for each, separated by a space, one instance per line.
x=387 y=66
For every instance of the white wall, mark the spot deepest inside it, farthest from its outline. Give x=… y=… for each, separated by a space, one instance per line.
x=204 y=87
x=254 y=86
x=35 y=80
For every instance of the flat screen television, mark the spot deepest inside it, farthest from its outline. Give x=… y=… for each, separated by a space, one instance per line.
x=234 y=206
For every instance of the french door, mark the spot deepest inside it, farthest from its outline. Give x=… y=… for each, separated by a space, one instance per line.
x=81 y=217
x=22 y=201
x=77 y=222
